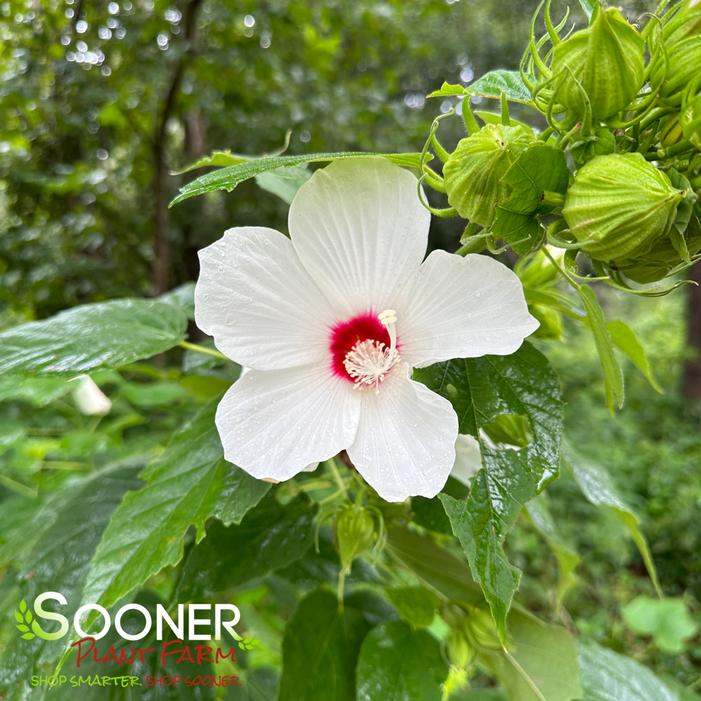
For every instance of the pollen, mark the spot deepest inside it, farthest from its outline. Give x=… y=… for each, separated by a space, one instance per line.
x=369 y=362
x=364 y=349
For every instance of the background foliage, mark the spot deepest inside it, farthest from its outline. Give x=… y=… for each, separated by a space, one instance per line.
x=100 y=103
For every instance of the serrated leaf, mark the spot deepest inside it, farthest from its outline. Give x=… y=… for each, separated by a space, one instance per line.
x=107 y=334
x=145 y=534
x=608 y=676
x=239 y=493
x=494 y=83
x=228 y=178
x=398 y=663
x=627 y=341
x=541 y=656
x=613 y=375
x=598 y=488
x=320 y=650
x=270 y=536
x=480 y=390
x=223 y=158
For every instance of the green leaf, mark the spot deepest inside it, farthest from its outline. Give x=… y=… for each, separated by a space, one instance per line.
x=449 y=90
x=541 y=657
x=284 y=182
x=320 y=650
x=567 y=557
x=145 y=534
x=228 y=178
x=613 y=375
x=37 y=391
x=182 y=297
x=494 y=83
x=239 y=493
x=666 y=620
x=107 y=334
x=270 y=537
x=227 y=158
x=539 y=168
x=219 y=159
x=150 y=395
x=627 y=341
x=398 y=663
x=598 y=488
x=415 y=605
x=68 y=532
x=435 y=566
x=608 y=676
x=480 y=390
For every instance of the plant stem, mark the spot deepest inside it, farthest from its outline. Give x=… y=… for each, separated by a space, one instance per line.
x=201 y=349
x=337 y=475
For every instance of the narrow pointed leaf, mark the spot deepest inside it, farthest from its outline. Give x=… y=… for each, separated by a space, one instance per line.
x=107 y=334
x=228 y=178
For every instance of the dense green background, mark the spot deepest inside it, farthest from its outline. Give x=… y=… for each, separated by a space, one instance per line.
x=99 y=102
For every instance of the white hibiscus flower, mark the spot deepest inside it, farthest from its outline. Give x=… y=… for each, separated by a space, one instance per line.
x=331 y=322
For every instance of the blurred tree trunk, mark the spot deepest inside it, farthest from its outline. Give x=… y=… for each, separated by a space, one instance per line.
x=161 y=238
x=691 y=379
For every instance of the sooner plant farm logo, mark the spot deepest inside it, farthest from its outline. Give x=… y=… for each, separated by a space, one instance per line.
x=27 y=624
x=170 y=635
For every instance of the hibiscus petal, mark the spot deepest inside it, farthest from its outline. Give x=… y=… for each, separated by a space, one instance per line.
x=274 y=423
x=462 y=308
x=361 y=232
x=406 y=439
x=468 y=459
x=258 y=302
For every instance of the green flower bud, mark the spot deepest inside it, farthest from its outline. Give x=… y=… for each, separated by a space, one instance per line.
x=355 y=533
x=620 y=205
x=670 y=130
x=482 y=630
x=460 y=652
x=606 y=59
x=661 y=259
x=682 y=67
x=474 y=170
x=690 y=121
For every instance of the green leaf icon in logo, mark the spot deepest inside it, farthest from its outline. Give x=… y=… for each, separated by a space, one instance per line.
x=26 y=624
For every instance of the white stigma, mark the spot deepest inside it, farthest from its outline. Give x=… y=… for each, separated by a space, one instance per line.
x=369 y=362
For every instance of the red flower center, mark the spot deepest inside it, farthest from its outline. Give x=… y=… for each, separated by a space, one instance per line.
x=347 y=335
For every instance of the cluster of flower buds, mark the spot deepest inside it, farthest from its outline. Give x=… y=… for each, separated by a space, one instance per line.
x=615 y=173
